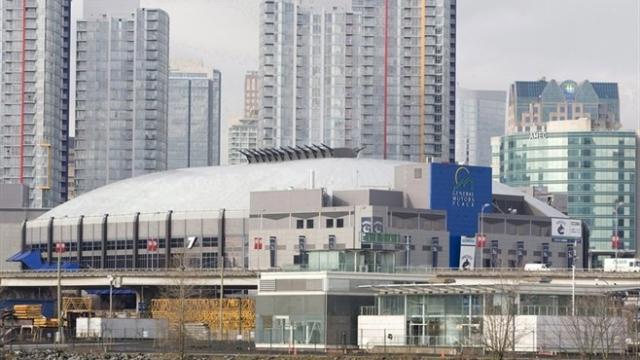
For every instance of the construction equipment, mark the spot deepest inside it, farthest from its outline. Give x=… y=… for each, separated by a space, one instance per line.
x=77 y=304
x=237 y=314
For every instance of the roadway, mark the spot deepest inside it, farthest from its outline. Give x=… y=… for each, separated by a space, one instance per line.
x=249 y=279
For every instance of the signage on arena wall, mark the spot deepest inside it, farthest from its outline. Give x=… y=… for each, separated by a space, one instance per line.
x=566 y=229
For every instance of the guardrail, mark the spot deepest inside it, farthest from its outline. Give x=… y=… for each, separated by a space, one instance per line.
x=236 y=272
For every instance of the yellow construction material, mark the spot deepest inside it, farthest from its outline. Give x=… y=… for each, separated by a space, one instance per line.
x=236 y=313
x=44 y=322
x=27 y=312
x=77 y=304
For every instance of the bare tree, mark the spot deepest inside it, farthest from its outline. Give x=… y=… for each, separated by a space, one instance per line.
x=499 y=331
x=597 y=329
x=174 y=305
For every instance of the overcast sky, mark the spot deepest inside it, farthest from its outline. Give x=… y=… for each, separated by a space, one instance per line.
x=499 y=41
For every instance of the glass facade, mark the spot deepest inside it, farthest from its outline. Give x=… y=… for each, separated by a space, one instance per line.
x=351 y=260
x=480 y=115
x=309 y=321
x=595 y=169
x=535 y=104
x=122 y=84
x=453 y=320
x=194 y=122
x=347 y=75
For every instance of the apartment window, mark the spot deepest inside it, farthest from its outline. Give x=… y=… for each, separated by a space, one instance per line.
x=339 y=223
x=299 y=224
x=310 y=224
x=329 y=223
x=332 y=242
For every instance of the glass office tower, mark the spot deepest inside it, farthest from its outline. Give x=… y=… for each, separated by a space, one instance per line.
x=480 y=115
x=194 y=120
x=596 y=169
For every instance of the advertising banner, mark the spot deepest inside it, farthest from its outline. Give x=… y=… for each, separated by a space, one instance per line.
x=566 y=229
x=467 y=252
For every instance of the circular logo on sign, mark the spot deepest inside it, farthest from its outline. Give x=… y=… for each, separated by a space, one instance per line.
x=466 y=262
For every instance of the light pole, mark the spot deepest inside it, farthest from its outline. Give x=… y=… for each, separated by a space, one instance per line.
x=60 y=248
x=484 y=206
x=110 y=278
x=573 y=278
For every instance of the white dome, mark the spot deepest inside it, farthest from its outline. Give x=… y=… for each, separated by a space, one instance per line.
x=217 y=187
x=229 y=187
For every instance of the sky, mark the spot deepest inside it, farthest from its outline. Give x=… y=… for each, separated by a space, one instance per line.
x=499 y=41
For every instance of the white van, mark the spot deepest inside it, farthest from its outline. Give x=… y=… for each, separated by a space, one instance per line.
x=536 y=267
x=621 y=265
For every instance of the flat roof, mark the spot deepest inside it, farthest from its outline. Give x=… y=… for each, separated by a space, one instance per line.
x=492 y=287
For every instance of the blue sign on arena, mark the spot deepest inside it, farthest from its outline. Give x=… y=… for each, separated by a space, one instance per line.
x=461 y=191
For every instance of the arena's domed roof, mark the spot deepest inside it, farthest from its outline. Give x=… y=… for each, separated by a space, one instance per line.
x=229 y=187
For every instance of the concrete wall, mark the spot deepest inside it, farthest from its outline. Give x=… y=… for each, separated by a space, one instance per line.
x=420 y=227
x=368 y=197
x=14 y=196
x=560 y=333
x=413 y=181
x=533 y=232
x=286 y=201
x=376 y=330
x=11 y=233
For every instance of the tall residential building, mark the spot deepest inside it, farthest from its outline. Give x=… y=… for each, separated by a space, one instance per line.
x=71 y=168
x=480 y=115
x=122 y=88
x=595 y=169
x=533 y=104
x=373 y=73
x=34 y=110
x=251 y=95
x=194 y=120
x=242 y=135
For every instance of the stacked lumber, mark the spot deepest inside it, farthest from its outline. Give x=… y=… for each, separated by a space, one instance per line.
x=27 y=312
x=236 y=313
x=44 y=322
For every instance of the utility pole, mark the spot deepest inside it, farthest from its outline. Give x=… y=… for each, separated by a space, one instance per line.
x=59 y=249
x=481 y=238
x=573 y=278
x=221 y=248
x=110 y=278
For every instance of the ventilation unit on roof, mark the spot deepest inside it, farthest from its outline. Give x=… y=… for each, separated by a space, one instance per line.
x=288 y=153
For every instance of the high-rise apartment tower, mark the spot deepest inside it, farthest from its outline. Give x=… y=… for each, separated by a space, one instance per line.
x=378 y=74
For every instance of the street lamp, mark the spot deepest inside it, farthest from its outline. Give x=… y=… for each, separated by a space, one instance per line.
x=481 y=236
